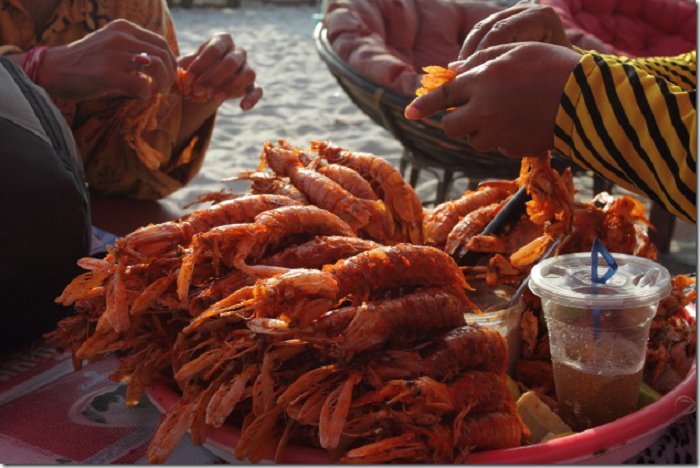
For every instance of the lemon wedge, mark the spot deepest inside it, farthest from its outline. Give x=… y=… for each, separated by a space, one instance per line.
x=647 y=395
x=551 y=436
x=513 y=388
x=540 y=419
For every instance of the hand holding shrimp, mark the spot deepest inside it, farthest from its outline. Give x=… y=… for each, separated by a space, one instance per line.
x=219 y=70
x=506 y=97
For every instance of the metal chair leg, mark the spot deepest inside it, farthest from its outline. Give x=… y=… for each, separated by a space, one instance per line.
x=601 y=185
x=403 y=163
x=444 y=186
x=472 y=183
x=413 y=177
x=665 y=223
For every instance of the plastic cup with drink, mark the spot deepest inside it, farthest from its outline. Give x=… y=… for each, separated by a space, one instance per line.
x=598 y=331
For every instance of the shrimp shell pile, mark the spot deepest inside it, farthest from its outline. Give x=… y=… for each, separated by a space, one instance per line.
x=306 y=311
x=325 y=308
x=141 y=116
x=434 y=77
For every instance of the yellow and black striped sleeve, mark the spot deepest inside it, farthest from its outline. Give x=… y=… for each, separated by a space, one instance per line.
x=679 y=70
x=632 y=127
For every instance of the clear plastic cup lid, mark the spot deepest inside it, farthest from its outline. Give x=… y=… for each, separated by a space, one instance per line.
x=566 y=280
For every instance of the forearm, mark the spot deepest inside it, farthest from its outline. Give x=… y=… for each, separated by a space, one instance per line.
x=633 y=129
x=49 y=74
x=194 y=116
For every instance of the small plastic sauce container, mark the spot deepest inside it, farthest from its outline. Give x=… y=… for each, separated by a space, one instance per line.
x=598 y=333
x=498 y=314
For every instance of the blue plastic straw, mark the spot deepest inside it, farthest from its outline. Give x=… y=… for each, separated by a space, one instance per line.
x=598 y=247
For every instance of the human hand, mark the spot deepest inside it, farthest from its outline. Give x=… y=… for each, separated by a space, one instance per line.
x=218 y=70
x=522 y=22
x=105 y=63
x=506 y=97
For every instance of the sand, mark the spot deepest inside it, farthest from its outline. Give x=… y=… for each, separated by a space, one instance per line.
x=302 y=101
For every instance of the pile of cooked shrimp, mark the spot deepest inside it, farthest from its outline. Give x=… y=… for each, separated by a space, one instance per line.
x=325 y=307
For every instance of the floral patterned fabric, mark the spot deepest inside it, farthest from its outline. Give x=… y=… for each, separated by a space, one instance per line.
x=112 y=167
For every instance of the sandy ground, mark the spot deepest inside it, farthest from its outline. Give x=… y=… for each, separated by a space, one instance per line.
x=302 y=102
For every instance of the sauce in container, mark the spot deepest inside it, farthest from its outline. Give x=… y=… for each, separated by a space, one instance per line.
x=496 y=314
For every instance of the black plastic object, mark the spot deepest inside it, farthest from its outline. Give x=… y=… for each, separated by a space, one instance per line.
x=45 y=208
x=510 y=212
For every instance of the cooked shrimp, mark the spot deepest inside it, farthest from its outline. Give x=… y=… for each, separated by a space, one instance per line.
x=398 y=195
x=233 y=244
x=157 y=239
x=301 y=296
x=439 y=221
x=319 y=189
x=319 y=251
x=469 y=226
x=348 y=178
x=264 y=183
x=405 y=319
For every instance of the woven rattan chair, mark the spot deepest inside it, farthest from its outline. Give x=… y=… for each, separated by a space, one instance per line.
x=425 y=145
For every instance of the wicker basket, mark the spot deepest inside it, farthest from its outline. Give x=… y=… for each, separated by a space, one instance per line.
x=425 y=144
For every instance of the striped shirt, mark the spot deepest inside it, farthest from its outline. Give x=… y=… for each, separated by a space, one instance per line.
x=633 y=122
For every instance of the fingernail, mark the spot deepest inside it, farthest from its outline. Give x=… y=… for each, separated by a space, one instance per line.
x=246 y=105
x=411 y=113
x=452 y=65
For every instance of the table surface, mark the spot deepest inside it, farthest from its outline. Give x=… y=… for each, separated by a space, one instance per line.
x=53 y=414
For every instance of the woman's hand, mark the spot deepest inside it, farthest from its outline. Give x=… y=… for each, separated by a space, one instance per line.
x=105 y=64
x=520 y=23
x=506 y=97
x=219 y=70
